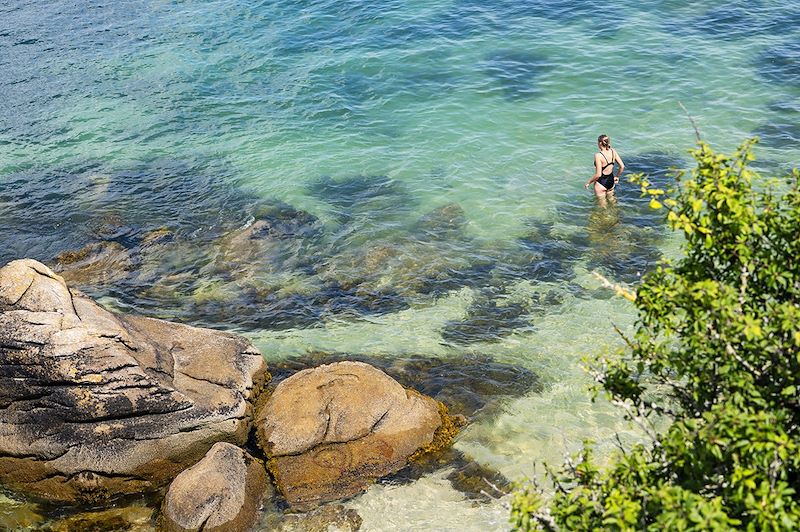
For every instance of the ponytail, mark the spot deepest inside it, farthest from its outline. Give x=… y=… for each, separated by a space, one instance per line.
x=604 y=141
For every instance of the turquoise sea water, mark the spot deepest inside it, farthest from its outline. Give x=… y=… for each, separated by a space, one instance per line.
x=420 y=163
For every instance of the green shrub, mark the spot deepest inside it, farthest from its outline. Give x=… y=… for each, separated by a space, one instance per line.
x=716 y=353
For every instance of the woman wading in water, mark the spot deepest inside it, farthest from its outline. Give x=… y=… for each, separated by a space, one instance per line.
x=604 y=178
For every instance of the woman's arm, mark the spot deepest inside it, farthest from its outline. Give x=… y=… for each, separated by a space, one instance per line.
x=620 y=163
x=597 y=167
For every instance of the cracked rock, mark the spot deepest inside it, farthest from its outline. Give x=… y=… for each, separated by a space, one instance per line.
x=94 y=404
x=330 y=431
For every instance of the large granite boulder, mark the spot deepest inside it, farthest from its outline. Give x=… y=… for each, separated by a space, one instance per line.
x=94 y=404
x=221 y=493
x=332 y=430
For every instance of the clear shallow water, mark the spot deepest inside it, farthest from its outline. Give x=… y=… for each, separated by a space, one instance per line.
x=347 y=123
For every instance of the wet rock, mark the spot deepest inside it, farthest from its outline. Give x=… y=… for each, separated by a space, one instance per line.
x=331 y=431
x=162 y=235
x=222 y=492
x=98 y=404
x=111 y=265
x=323 y=519
x=467 y=385
x=128 y=519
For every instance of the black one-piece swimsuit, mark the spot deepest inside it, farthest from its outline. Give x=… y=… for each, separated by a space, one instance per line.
x=607 y=180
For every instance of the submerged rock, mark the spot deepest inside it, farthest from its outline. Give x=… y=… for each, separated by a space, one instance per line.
x=475 y=481
x=198 y=275
x=488 y=319
x=363 y=198
x=331 y=431
x=424 y=263
x=781 y=133
x=543 y=255
x=272 y=242
x=445 y=222
x=96 y=264
x=431 y=259
x=323 y=519
x=129 y=519
x=623 y=253
x=19 y=515
x=96 y=404
x=221 y=493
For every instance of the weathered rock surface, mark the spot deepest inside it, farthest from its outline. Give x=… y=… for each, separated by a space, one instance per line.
x=332 y=430
x=94 y=404
x=222 y=492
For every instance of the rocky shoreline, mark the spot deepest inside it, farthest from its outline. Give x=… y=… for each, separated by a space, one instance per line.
x=95 y=406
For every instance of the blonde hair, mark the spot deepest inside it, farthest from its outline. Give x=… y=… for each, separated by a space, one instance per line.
x=604 y=141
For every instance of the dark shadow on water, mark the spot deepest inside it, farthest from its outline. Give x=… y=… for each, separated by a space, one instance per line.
x=781 y=63
x=516 y=73
x=736 y=20
x=782 y=127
